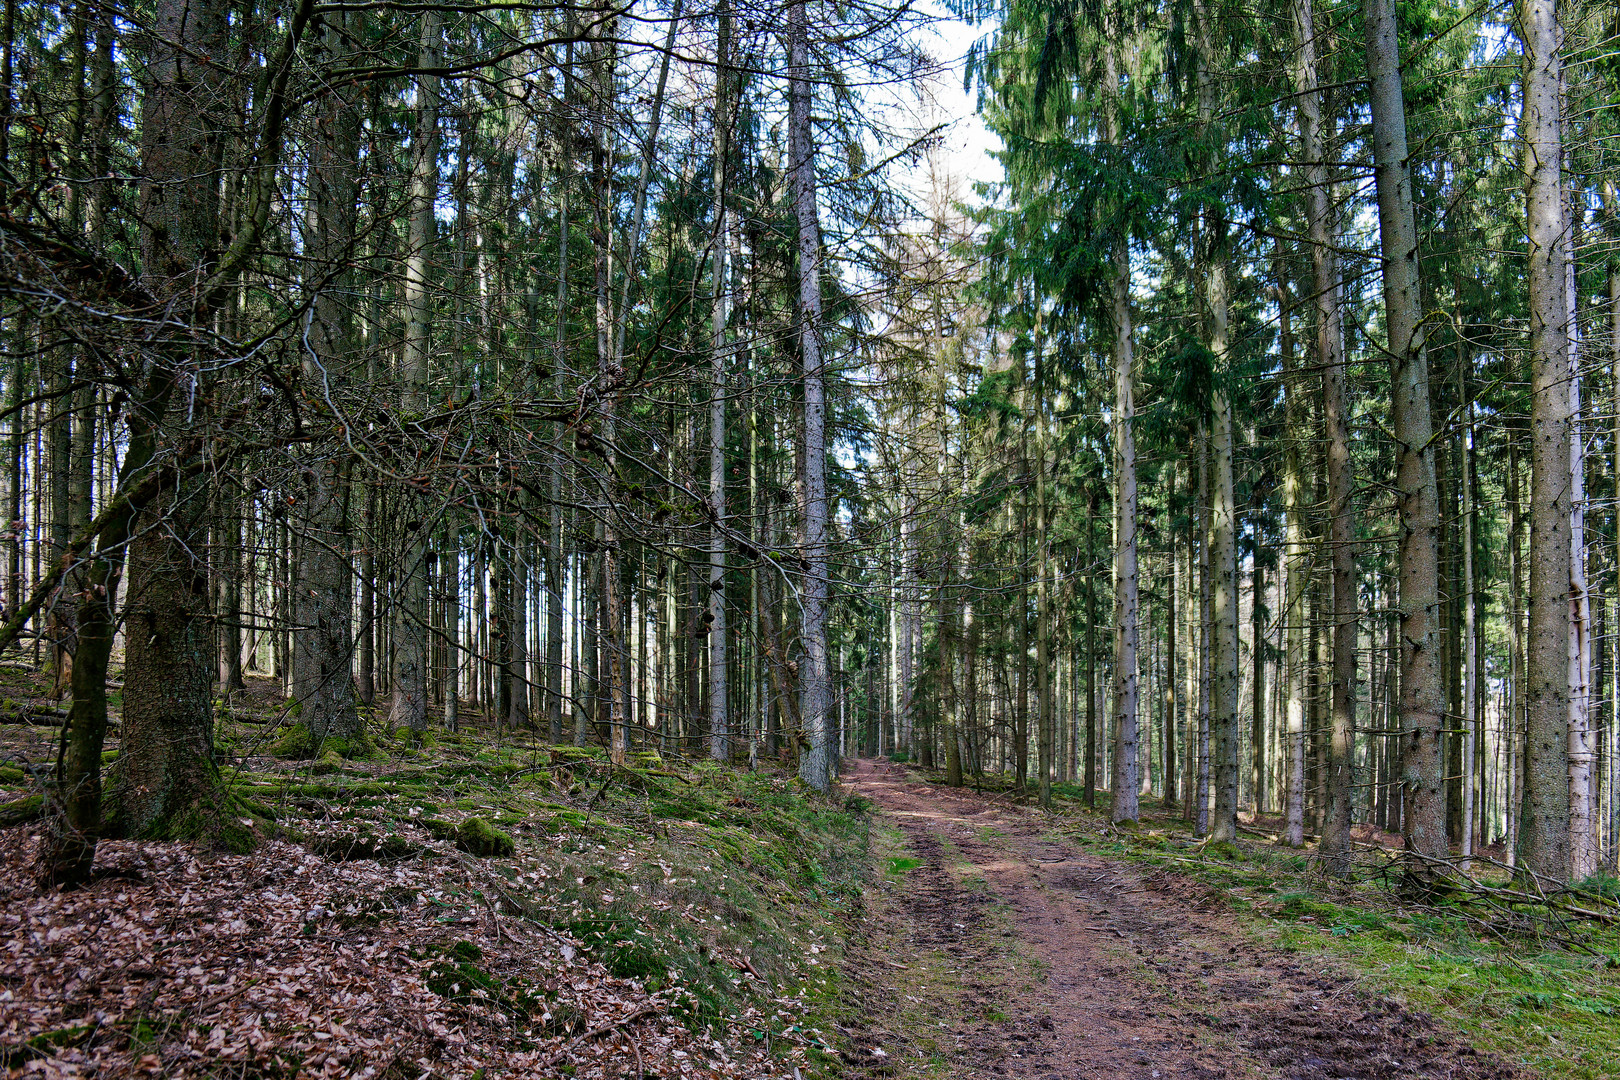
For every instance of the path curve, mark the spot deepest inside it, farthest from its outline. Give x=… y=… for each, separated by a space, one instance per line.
x=1131 y=972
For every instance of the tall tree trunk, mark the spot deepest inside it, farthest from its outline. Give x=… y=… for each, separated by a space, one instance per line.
x=1043 y=587
x=410 y=603
x=1127 y=630
x=1583 y=851
x=1257 y=719
x=1206 y=624
x=165 y=783
x=1545 y=831
x=1515 y=734
x=1295 y=574
x=1471 y=718
x=323 y=643
x=1422 y=709
x=1222 y=535
x=815 y=766
x=720 y=317
x=556 y=560
x=1091 y=652
x=1172 y=686
x=1223 y=559
x=1330 y=360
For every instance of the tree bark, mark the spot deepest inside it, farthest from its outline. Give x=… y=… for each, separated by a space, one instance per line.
x=410 y=613
x=323 y=642
x=720 y=317
x=1422 y=706
x=1545 y=831
x=1127 y=629
x=1330 y=359
x=815 y=765
x=165 y=784
x=1295 y=573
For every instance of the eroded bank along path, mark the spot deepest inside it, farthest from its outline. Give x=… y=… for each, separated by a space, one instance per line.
x=994 y=950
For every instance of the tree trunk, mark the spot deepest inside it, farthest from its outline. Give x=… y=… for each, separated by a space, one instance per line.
x=165 y=783
x=1330 y=360
x=1091 y=653
x=323 y=642
x=1422 y=709
x=720 y=317
x=815 y=766
x=1295 y=573
x=410 y=604
x=1127 y=632
x=1257 y=653
x=1545 y=831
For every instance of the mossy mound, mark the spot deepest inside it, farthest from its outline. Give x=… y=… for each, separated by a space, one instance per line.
x=416 y=740
x=330 y=761
x=21 y=811
x=232 y=825
x=475 y=836
x=298 y=743
x=365 y=844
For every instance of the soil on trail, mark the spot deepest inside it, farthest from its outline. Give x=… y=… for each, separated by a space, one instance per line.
x=1017 y=955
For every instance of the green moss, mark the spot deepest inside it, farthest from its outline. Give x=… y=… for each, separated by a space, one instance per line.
x=297 y=743
x=21 y=811
x=228 y=826
x=10 y=774
x=330 y=761
x=294 y=744
x=561 y=754
x=613 y=942
x=477 y=836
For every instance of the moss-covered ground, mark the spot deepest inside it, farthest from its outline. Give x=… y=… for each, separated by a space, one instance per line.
x=723 y=886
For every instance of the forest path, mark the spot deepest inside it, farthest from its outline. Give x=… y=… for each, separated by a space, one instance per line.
x=1006 y=952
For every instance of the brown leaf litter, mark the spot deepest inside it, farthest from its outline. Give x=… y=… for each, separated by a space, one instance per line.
x=176 y=962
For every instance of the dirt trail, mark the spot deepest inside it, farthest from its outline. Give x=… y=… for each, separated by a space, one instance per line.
x=1127 y=974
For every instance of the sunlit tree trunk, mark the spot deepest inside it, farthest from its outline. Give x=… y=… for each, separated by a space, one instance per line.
x=1127 y=631
x=1295 y=574
x=1545 y=831
x=1583 y=852
x=1422 y=708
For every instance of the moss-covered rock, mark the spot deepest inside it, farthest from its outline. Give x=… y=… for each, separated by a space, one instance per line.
x=330 y=761
x=21 y=811
x=478 y=837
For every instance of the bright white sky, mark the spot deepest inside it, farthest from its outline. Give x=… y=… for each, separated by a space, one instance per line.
x=968 y=144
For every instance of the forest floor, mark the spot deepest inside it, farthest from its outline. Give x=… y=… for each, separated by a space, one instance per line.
x=998 y=947
x=668 y=917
